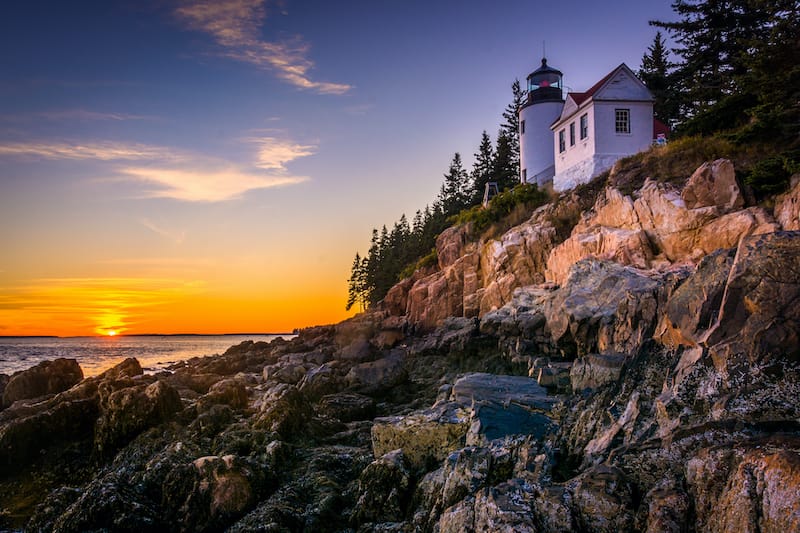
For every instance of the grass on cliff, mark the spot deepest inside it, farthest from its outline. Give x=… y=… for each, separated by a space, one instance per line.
x=764 y=168
x=506 y=210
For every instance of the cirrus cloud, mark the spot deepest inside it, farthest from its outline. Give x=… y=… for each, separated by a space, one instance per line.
x=97 y=151
x=205 y=186
x=235 y=26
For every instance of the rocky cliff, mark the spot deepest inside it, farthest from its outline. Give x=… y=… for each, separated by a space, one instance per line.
x=619 y=362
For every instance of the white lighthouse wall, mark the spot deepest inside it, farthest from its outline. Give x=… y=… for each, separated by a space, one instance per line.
x=536 y=144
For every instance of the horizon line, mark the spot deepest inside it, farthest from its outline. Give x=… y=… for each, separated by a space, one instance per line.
x=142 y=335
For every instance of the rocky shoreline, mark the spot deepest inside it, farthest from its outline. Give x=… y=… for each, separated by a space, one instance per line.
x=617 y=363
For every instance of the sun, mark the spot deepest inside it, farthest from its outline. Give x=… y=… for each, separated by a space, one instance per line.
x=111 y=333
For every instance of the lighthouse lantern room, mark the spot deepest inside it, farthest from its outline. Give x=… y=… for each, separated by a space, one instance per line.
x=542 y=107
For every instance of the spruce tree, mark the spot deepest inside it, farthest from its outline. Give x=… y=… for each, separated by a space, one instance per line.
x=655 y=73
x=482 y=168
x=504 y=172
x=456 y=192
x=714 y=38
x=510 y=125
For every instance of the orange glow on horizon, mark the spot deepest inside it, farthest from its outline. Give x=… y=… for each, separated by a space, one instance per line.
x=110 y=307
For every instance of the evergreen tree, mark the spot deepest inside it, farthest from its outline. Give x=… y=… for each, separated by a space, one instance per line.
x=482 y=168
x=655 y=73
x=715 y=38
x=510 y=125
x=773 y=75
x=504 y=171
x=456 y=192
x=357 y=288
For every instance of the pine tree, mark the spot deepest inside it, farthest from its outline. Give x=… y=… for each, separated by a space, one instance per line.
x=714 y=38
x=510 y=125
x=504 y=172
x=655 y=72
x=357 y=288
x=482 y=168
x=456 y=192
x=773 y=74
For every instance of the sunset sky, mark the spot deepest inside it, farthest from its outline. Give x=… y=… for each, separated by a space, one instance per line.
x=213 y=166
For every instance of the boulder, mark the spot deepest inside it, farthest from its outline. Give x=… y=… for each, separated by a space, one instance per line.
x=621 y=245
x=694 y=306
x=713 y=184
x=347 y=406
x=595 y=370
x=378 y=376
x=517 y=258
x=787 y=207
x=320 y=381
x=746 y=490
x=603 y=501
x=505 y=507
x=667 y=506
x=503 y=405
x=130 y=410
x=452 y=244
x=221 y=489
x=459 y=518
x=425 y=437
x=384 y=490
x=759 y=317
x=46 y=378
x=229 y=391
x=603 y=308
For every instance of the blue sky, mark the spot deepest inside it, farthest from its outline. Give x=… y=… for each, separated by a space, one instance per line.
x=247 y=147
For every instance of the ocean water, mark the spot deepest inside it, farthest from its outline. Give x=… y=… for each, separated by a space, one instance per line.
x=97 y=354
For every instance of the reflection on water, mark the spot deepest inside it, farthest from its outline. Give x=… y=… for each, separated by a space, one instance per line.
x=97 y=354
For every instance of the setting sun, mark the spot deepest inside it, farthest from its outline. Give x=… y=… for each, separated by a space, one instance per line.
x=111 y=333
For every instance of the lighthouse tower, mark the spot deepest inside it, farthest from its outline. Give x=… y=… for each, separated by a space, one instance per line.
x=543 y=106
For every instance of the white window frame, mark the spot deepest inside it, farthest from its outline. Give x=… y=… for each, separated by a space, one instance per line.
x=562 y=141
x=572 y=133
x=622 y=121
x=584 y=126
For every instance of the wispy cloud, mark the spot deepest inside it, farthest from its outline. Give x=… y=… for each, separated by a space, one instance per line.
x=176 y=237
x=87 y=115
x=274 y=153
x=73 y=115
x=97 y=151
x=236 y=25
x=177 y=174
x=205 y=186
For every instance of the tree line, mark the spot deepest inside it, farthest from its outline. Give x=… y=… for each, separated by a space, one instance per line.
x=736 y=68
x=393 y=252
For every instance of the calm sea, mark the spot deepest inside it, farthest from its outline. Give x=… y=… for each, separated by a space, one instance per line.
x=97 y=354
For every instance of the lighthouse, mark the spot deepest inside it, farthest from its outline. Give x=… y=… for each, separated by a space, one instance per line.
x=542 y=107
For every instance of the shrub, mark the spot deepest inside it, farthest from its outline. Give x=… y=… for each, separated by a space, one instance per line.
x=504 y=210
x=771 y=175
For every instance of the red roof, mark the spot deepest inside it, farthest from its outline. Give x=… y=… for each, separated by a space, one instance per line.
x=659 y=128
x=580 y=98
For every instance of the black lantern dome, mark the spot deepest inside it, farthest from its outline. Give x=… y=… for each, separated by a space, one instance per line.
x=544 y=84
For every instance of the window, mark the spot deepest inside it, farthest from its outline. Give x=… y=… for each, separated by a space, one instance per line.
x=572 y=134
x=524 y=175
x=522 y=127
x=622 y=120
x=584 y=125
x=562 y=144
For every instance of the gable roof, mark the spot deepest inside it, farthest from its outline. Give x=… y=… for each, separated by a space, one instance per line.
x=595 y=92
